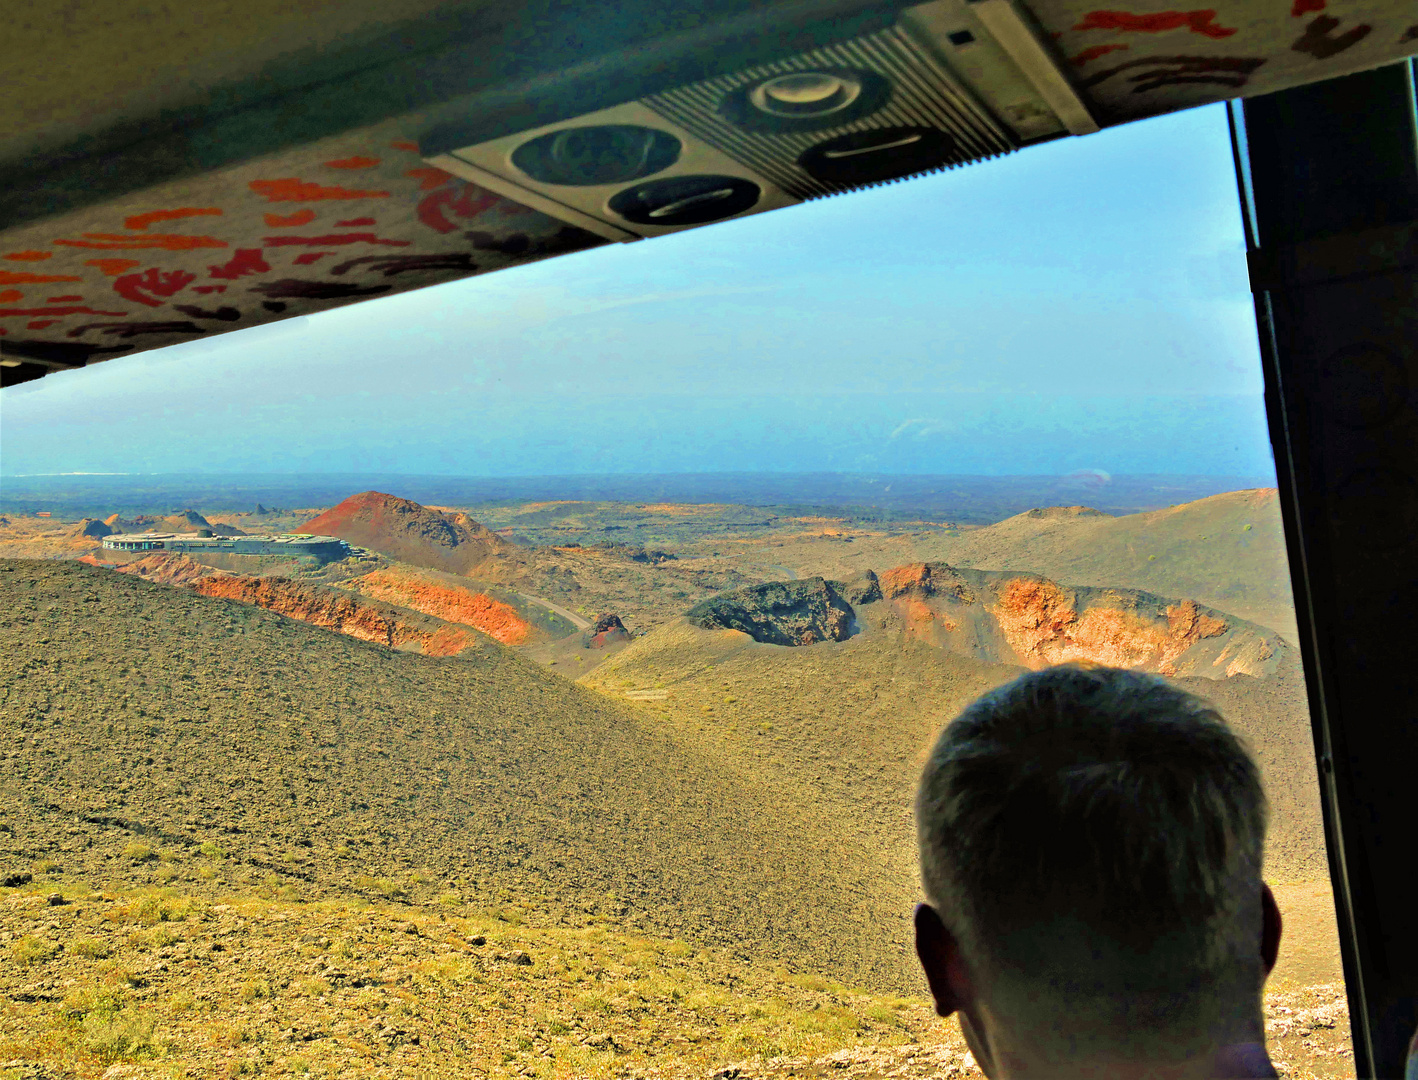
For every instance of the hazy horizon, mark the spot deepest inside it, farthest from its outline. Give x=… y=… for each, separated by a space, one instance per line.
x=1080 y=306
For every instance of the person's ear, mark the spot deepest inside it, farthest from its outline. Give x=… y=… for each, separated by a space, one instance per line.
x=1270 y=928
x=940 y=958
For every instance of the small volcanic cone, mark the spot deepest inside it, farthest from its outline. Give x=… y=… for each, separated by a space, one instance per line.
x=607 y=631
x=93 y=528
x=414 y=534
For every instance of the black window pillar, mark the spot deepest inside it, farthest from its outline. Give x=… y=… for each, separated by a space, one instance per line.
x=1329 y=186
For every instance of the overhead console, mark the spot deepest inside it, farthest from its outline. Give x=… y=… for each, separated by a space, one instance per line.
x=936 y=85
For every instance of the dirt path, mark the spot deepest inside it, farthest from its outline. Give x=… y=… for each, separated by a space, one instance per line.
x=576 y=620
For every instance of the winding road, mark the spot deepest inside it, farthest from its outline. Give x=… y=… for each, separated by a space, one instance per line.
x=576 y=620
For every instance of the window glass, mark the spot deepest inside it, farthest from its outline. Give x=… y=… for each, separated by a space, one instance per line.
x=543 y=664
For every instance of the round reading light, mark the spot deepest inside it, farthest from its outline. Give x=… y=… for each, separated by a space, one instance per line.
x=805 y=100
x=604 y=154
x=685 y=200
x=807 y=93
x=866 y=157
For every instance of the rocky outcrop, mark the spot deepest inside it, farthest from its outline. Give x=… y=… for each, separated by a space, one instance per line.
x=451 y=603
x=165 y=568
x=781 y=612
x=1027 y=619
x=343 y=612
x=1003 y=617
x=607 y=630
x=414 y=534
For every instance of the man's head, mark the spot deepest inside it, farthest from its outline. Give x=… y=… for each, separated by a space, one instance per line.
x=1091 y=844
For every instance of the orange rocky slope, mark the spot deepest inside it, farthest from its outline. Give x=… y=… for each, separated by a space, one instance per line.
x=453 y=603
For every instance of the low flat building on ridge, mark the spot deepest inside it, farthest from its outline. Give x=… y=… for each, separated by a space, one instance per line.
x=325 y=548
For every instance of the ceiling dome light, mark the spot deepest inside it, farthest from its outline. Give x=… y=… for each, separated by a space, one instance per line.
x=806 y=93
x=805 y=100
x=603 y=154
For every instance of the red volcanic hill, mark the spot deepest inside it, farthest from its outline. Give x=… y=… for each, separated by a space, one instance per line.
x=414 y=534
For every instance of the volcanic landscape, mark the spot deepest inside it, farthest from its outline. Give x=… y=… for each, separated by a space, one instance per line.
x=567 y=789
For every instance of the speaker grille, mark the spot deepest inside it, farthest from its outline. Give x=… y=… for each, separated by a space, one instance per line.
x=924 y=94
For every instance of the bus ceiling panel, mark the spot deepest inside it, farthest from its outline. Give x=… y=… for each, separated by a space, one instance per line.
x=449 y=145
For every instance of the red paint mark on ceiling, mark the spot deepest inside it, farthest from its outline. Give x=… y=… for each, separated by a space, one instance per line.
x=23 y=277
x=1317 y=42
x=28 y=256
x=405 y=144
x=139 y=222
x=429 y=178
x=62 y=299
x=354 y=222
x=1201 y=21
x=355 y=162
x=204 y=289
x=39 y=324
x=311 y=256
x=465 y=203
x=1093 y=52
x=9 y=296
x=332 y=240
x=30 y=313
x=1305 y=7
x=245 y=261
x=294 y=190
x=144 y=288
x=161 y=241
x=111 y=267
x=285 y=221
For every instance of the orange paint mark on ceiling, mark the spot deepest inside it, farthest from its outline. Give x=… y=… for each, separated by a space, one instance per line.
x=139 y=222
x=292 y=189
x=355 y=162
x=111 y=267
x=1093 y=52
x=1200 y=21
x=162 y=241
x=289 y=221
x=21 y=277
x=39 y=324
x=429 y=178
x=310 y=257
x=404 y=144
x=9 y=296
x=28 y=256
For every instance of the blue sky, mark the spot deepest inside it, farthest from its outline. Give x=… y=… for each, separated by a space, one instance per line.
x=1077 y=305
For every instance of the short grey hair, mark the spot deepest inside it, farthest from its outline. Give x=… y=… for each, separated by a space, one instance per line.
x=1093 y=838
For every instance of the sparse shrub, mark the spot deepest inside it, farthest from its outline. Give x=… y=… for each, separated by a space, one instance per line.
x=91 y=1001
x=211 y=850
x=32 y=950
x=140 y=852
x=298 y=1065
x=388 y=887
x=112 y=1038
x=344 y=851
x=48 y=866
x=450 y=899
x=90 y=948
x=312 y=987
x=256 y=990
x=181 y=1002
